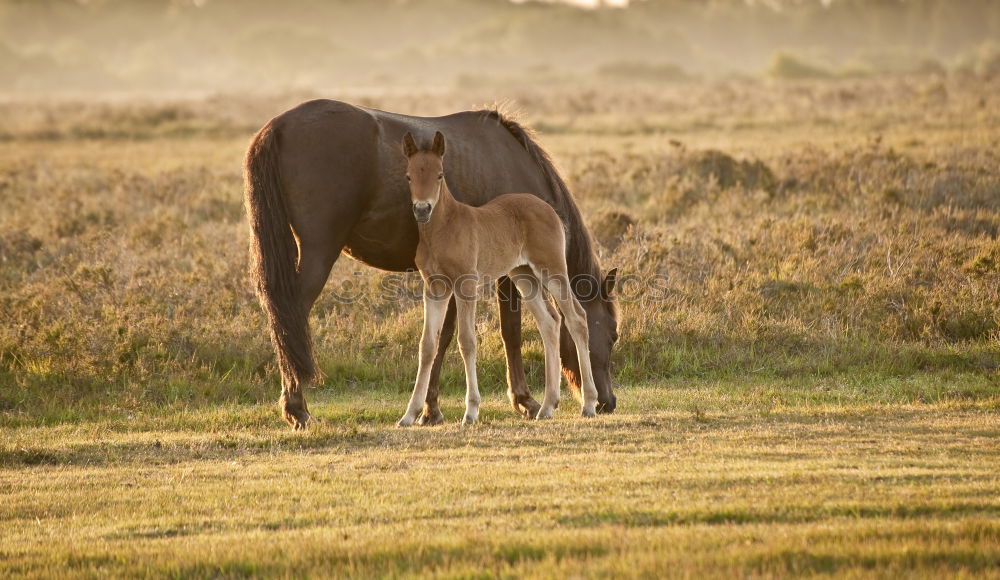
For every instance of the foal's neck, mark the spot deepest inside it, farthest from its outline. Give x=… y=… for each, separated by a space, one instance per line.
x=444 y=212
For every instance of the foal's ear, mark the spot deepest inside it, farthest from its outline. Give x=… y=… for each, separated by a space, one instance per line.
x=437 y=147
x=608 y=285
x=409 y=145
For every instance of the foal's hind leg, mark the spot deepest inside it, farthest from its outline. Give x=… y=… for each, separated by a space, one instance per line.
x=548 y=326
x=509 y=305
x=576 y=322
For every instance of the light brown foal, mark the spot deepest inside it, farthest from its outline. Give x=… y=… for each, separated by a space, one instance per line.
x=516 y=235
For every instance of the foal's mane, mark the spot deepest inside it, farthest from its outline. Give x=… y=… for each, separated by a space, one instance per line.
x=580 y=256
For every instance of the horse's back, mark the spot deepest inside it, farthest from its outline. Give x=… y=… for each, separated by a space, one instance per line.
x=344 y=174
x=324 y=135
x=328 y=167
x=483 y=159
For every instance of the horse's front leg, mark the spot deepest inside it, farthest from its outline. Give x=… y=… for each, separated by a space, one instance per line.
x=509 y=304
x=466 y=318
x=435 y=309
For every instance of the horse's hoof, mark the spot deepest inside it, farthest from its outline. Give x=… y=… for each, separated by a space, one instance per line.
x=298 y=422
x=406 y=421
x=588 y=412
x=469 y=420
x=298 y=418
x=294 y=410
x=607 y=407
x=527 y=407
x=428 y=419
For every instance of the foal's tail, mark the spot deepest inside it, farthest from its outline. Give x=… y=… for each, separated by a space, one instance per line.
x=274 y=256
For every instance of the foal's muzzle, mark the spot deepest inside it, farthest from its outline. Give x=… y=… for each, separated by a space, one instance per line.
x=422 y=211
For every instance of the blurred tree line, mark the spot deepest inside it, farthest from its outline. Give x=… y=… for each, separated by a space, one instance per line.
x=74 y=45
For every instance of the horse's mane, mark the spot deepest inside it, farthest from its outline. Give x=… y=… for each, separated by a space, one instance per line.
x=580 y=256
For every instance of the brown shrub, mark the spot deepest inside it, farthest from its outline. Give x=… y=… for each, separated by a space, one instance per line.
x=609 y=228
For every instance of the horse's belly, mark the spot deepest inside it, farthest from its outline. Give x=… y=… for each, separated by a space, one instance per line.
x=383 y=244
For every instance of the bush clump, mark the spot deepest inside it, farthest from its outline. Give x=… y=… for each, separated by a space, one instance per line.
x=629 y=70
x=729 y=172
x=787 y=66
x=610 y=228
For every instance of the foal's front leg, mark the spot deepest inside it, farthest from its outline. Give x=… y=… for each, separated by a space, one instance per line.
x=432 y=414
x=435 y=309
x=467 y=344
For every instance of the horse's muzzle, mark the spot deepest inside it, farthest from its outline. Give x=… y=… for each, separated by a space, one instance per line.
x=422 y=211
x=607 y=407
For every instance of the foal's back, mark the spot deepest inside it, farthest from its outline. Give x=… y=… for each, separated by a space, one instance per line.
x=524 y=223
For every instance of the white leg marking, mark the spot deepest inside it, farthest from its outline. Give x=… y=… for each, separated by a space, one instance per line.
x=466 y=319
x=576 y=322
x=548 y=321
x=434 y=313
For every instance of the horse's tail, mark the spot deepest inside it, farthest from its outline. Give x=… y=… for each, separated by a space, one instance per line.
x=274 y=257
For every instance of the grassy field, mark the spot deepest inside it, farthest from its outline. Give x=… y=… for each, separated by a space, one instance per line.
x=693 y=479
x=811 y=386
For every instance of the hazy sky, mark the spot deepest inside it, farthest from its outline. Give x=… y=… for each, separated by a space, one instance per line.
x=591 y=3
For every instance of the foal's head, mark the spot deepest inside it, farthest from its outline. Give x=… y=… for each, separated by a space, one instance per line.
x=425 y=172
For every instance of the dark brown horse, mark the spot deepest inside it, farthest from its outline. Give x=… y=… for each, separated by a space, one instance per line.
x=327 y=177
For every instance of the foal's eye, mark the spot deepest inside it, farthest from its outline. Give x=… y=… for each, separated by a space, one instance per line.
x=440 y=175
x=408 y=178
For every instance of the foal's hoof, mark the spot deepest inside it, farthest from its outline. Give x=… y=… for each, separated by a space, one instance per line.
x=544 y=414
x=406 y=421
x=588 y=412
x=431 y=417
x=470 y=420
x=294 y=410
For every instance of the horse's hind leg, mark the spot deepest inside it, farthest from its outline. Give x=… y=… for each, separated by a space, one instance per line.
x=549 y=322
x=315 y=263
x=508 y=303
x=432 y=414
x=321 y=179
x=575 y=318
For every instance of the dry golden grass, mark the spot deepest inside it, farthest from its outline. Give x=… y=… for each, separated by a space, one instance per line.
x=871 y=248
x=843 y=489
x=808 y=375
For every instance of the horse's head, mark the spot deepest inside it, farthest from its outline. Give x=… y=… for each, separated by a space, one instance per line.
x=602 y=323
x=602 y=320
x=425 y=172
